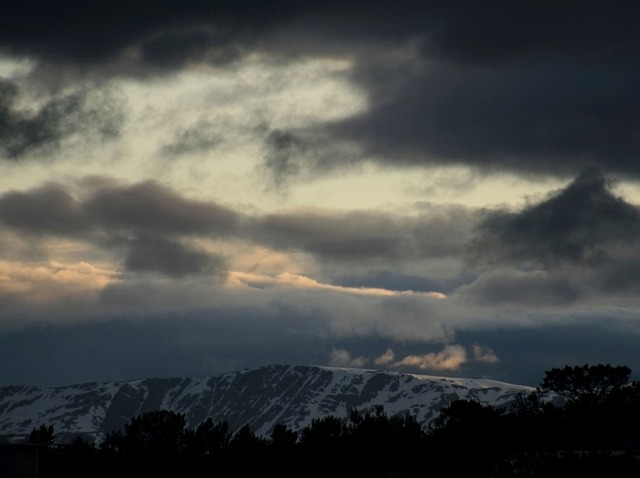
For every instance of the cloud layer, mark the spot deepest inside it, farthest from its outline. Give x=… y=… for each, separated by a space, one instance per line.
x=169 y=177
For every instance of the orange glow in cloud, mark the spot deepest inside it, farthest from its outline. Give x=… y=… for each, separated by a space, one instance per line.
x=298 y=281
x=52 y=281
x=451 y=358
x=386 y=358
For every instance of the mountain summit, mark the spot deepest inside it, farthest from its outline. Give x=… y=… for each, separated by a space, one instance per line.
x=292 y=395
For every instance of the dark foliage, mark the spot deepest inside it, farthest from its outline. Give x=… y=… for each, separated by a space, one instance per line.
x=586 y=383
x=43 y=435
x=595 y=431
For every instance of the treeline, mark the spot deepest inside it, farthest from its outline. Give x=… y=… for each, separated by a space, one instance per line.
x=582 y=420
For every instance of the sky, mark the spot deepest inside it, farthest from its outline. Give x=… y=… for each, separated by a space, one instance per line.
x=191 y=188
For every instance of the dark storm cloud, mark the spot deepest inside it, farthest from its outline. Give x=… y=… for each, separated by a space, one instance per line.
x=515 y=116
x=171 y=258
x=173 y=49
x=75 y=31
x=96 y=115
x=463 y=30
x=498 y=30
x=145 y=207
x=577 y=225
x=48 y=209
x=165 y=35
x=497 y=84
x=521 y=87
x=146 y=222
x=151 y=207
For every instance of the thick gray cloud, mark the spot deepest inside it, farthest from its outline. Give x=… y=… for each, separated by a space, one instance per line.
x=165 y=35
x=461 y=29
x=362 y=235
x=521 y=290
x=351 y=236
x=151 y=207
x=581 y=224
x=500 y=30
x=149 y=223
x=49 y=209
x=171 y=258
x=175 y=48
x=146 y=207
x=524 y=88
x=620 y=276
x=146 y=222
x=519 y=117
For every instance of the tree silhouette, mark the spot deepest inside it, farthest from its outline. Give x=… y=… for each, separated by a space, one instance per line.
x=585 y=383
x=151 y=443
x=43 y=435
x=468 y=437
x=208 y=440
x=160 y=432
x=246 y=449
x=324 y=433
x=595 y=429
x=384 y=440
x=283 y=438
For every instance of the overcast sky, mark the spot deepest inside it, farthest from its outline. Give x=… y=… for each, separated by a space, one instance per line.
x=435 y=187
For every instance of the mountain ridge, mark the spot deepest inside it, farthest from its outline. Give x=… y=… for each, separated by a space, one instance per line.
x=260 y=397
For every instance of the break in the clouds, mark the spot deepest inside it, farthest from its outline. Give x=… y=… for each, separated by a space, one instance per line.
x=401 y=186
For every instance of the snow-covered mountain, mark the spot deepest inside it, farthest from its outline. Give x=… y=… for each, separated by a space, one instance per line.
x=292 y=395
